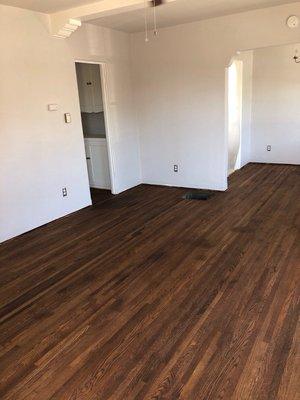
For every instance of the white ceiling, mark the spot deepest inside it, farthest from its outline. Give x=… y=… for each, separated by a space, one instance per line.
x=174 y=13
x=183 y=11
x=46 y=6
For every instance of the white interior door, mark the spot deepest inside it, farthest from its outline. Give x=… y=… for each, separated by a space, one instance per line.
x=97 y=163
x=85 y=86
x=89 y=87
x=96 y=88
x=89 y=163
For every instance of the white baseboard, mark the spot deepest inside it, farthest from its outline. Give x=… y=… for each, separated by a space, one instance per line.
x=220 y=188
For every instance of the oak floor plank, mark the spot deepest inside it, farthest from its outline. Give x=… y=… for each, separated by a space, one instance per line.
x=146 y=295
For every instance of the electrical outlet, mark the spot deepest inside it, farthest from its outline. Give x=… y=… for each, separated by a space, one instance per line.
x=269 y=147
x=175 y=168
x=64 y=192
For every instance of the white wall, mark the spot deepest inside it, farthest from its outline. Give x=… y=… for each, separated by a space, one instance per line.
x=179 y=84
x=180 y=92
x=93 y=43
x=40 y=154
x=276 y=106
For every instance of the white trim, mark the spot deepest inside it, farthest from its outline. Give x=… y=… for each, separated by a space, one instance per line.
x=107 y=118
x=95 y=140
x=100 y=187
x=238 y=165
x=65 y=30
x=207 y=186
x=226 y=125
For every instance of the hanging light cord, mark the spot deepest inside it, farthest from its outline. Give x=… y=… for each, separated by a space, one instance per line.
x=154 y=18
x=146 y=21
x=155 y=28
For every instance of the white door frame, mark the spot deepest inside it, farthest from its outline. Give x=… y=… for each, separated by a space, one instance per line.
x=226 y=155
x=107 y=117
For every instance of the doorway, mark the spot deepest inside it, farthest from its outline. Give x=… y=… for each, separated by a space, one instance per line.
x=95 y=128
x=234 y=107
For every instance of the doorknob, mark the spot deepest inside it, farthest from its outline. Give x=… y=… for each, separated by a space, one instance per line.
x=88 y=158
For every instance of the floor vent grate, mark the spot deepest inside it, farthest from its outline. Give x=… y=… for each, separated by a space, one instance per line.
x=198 y=195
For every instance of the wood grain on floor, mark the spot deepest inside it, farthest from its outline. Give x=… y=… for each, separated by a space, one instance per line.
x=99 y=195
x=149 y=296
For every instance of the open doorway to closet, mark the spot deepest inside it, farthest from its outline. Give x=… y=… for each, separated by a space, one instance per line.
x=94 y=126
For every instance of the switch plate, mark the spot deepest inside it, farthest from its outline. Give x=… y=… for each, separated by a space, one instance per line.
x=53 y=107
x=68 y=118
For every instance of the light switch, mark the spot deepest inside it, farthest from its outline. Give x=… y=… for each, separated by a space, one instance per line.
x=68 y=118
x=52 y=107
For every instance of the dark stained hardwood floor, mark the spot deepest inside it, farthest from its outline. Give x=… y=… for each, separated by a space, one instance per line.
x=149 y=296
x=99 y=195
